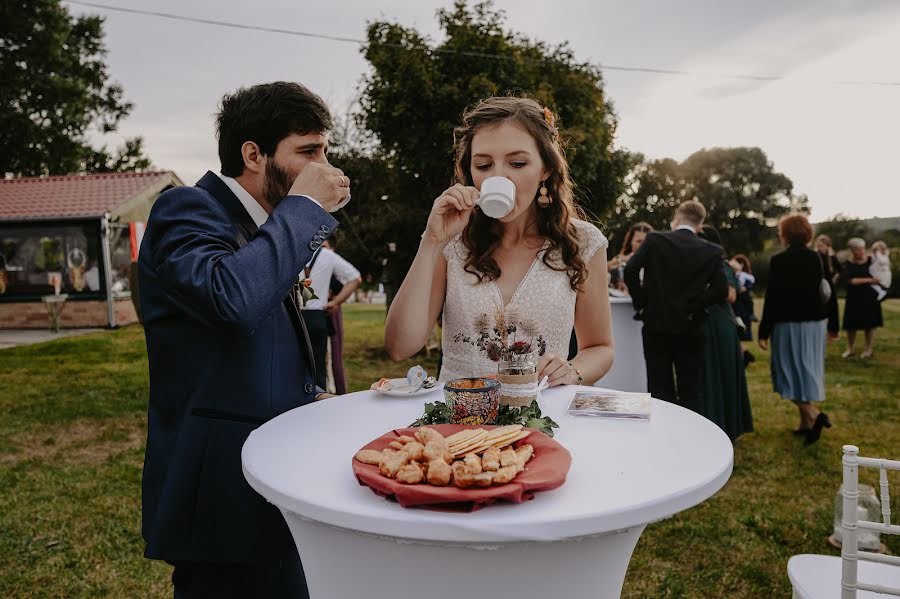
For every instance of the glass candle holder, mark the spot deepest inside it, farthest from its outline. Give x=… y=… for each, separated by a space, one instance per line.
x=869 y=509
x=472 y=400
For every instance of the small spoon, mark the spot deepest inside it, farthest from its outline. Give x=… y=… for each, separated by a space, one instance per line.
x=428 y=383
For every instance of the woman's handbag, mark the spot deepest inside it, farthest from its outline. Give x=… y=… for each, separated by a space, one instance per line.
x=824 y=285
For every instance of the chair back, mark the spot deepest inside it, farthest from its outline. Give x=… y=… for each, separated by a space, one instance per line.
x=850 y=554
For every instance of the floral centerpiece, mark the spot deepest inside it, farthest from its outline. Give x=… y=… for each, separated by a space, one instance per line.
x=514 y=343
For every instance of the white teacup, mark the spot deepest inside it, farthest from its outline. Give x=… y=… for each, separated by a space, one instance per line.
x=498 y=197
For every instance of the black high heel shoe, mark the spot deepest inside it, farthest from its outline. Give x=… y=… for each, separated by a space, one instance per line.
x=815 y=432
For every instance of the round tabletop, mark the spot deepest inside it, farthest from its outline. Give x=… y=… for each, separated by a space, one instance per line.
x=624 y=473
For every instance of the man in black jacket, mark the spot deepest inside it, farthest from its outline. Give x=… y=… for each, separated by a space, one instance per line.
x=682 y=276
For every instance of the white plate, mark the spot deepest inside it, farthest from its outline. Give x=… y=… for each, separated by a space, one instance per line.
x=400 y=388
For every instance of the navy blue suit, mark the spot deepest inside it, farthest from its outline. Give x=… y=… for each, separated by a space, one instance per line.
x=227 y=353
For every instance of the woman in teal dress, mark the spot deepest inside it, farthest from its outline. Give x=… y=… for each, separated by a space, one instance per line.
x=725 y=398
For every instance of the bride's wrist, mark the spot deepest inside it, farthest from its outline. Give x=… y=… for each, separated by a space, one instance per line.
x=430 y=242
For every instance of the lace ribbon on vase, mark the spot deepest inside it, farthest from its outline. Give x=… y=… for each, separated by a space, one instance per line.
x=526 y=390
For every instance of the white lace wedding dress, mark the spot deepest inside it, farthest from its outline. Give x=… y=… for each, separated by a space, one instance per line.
x=543 y=295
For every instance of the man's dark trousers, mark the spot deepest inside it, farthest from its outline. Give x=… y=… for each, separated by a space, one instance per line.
x=684 y=352
x=283 y=579
x=317 y=325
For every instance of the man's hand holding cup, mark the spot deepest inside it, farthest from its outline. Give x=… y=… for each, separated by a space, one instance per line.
x=327 y=184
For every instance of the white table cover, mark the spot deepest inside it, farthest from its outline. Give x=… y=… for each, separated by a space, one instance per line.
x=629 y=371
x=576 y=540
x=624 y=473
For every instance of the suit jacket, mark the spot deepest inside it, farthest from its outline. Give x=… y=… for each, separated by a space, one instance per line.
x=227 y=352
x=683 y=275
x=792 y=294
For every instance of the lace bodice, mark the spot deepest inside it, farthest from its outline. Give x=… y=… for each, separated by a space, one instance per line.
x=543 y=295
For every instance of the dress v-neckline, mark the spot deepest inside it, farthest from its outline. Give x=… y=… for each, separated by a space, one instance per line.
x=503 y=304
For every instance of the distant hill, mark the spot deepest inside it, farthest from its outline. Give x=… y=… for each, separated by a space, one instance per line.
x=877 y=224
x=883 y=224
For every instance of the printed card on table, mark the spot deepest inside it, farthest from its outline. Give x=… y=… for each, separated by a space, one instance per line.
x=611 y=404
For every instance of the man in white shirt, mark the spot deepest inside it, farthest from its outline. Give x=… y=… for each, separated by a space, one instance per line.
x=317 y=312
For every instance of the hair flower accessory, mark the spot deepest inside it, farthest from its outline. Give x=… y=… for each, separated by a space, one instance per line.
x=550 y=119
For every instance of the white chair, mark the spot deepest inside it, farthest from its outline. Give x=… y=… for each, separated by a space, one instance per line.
x=854 y=575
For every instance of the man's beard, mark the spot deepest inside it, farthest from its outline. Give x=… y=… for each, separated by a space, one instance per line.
x=277 y=183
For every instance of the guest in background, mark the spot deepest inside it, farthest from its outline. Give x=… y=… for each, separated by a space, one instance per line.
x=862 y=310
x=633 y=240
x=743 y=305
x=324 y=265
x=683 y=276
x=832 y=268
x=725 y=398
x=881 y=268
x=366 y=289
x=335 y=378
x=794 y=318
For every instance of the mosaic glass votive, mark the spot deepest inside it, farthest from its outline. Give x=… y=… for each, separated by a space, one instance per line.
x=472 y=400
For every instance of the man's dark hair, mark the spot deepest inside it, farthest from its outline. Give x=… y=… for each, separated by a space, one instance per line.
x=266 y=114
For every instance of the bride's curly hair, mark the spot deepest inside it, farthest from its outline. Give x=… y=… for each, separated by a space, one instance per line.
x=482 y=233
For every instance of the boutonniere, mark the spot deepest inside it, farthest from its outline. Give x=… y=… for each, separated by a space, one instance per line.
x=305 y=291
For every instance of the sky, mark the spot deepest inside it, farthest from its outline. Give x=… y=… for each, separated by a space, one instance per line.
x=838 y=142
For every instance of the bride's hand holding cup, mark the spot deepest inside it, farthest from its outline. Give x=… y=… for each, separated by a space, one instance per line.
x=450 y=213
x=452 y=210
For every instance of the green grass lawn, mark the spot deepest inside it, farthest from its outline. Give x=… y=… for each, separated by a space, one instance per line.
x=72 y=436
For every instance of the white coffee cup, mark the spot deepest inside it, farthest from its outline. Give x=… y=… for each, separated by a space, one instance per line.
x=498 y=197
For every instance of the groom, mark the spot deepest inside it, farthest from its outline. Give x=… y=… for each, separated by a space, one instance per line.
x=227 y=346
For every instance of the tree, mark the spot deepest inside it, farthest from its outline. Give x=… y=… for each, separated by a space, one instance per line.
x=417 y=92
x=742 y=193
x=841 y=228
x=55 y=92
x=654 y=189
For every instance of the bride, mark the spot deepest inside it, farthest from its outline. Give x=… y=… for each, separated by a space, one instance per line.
x=539 y=261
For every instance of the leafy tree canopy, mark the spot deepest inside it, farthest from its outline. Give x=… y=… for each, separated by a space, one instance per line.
x=743 y=194
x=417 y=91
x=841 y=228
x=55 y=92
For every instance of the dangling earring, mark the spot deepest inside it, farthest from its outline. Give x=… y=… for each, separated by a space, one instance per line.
x=544 y=200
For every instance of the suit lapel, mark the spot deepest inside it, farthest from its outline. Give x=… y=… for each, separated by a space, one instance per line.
x=239 y=216
x=246 y=230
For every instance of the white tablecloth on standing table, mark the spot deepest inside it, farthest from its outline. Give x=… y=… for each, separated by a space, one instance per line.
x=575 y=541
x=629 y=371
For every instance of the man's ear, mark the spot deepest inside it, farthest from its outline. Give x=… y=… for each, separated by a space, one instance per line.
x=254 y=161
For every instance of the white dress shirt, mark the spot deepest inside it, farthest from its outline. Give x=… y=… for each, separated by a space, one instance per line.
x=256 y=212
x=686 y=228
x=328 y=264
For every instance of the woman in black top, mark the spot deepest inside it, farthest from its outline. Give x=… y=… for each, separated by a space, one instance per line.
x=833 y=271
x=862 y=310
x=794 y=317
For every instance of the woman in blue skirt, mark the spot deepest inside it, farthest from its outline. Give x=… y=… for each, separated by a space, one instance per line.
x=795 y=318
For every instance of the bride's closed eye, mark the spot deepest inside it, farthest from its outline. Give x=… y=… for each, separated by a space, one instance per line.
x=487 y=166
